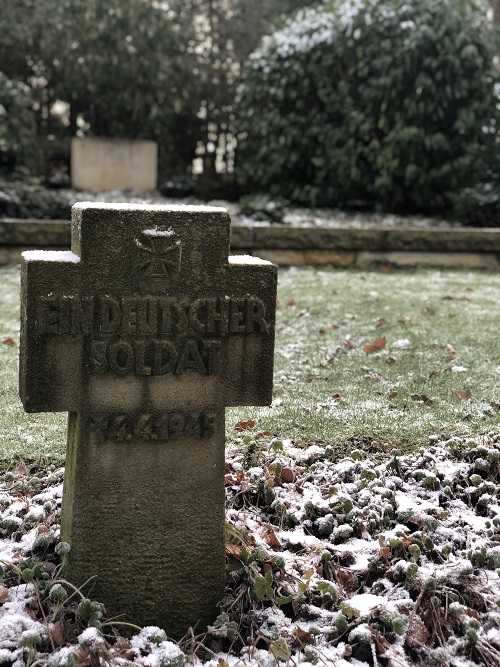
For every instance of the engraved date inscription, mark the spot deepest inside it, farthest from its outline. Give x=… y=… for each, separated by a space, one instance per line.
x=162 y=426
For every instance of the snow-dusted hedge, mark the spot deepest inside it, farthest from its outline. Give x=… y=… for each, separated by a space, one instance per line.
x=18 y=138
x=383 y=101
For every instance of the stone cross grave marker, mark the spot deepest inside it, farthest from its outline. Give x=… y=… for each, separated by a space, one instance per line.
x=144 y=332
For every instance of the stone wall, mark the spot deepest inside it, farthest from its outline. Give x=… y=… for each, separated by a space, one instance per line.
x=300 y=246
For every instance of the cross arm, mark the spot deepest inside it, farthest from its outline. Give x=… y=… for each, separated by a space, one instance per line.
x=49 y=365
x=248 y=373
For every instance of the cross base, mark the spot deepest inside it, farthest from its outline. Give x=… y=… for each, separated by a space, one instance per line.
x=145 y=514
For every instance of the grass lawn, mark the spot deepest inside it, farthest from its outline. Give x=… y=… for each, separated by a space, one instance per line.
x=364 y=360
x=437 y=372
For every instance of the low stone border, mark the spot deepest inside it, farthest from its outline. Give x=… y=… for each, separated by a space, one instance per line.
x=301 y=246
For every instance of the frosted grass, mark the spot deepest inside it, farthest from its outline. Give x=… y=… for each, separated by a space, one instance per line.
x=325 y=391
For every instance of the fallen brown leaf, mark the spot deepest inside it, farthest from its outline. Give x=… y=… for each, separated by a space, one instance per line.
x=4 y=594
x=393 y=653
x=373 y=377
x=417 y=634
x=461 y=394
x=238 y=478
x=347 y=579
x=21 y=470
x=270 y=537
x=83 y=658
x=392 y=395
x=422 y=398
x=301 y=638
x=450 y=352
x=49 y=567
x=57 y=633
x=8 y=341
x=233 y=549
x=125 y=651
x=378 y=345
x=244 y=425
x=287 y=475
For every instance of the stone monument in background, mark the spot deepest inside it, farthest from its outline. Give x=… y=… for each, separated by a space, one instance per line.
x=114 y=164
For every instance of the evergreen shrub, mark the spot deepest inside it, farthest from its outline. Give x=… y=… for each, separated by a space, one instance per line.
x=385 y=102
x=478 y=204
x=19 y=199
x=19 y=148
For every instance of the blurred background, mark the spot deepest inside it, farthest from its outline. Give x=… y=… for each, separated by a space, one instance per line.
x=381 y=105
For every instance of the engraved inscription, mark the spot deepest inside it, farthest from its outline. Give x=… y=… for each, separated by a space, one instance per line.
x=151 y=315
x=154 y=356
x=161 y=426
x=151 y=335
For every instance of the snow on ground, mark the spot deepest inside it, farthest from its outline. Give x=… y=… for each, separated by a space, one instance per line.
x=261 y=210
x=342 y=563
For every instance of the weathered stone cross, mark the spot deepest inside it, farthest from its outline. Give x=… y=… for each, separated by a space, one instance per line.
x=144 y=332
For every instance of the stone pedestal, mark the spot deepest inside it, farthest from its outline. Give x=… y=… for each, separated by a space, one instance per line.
x=113 y=164
x=147 y=515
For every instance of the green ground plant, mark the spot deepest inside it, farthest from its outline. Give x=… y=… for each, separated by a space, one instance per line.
x=371 y=542
x=364 y=360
